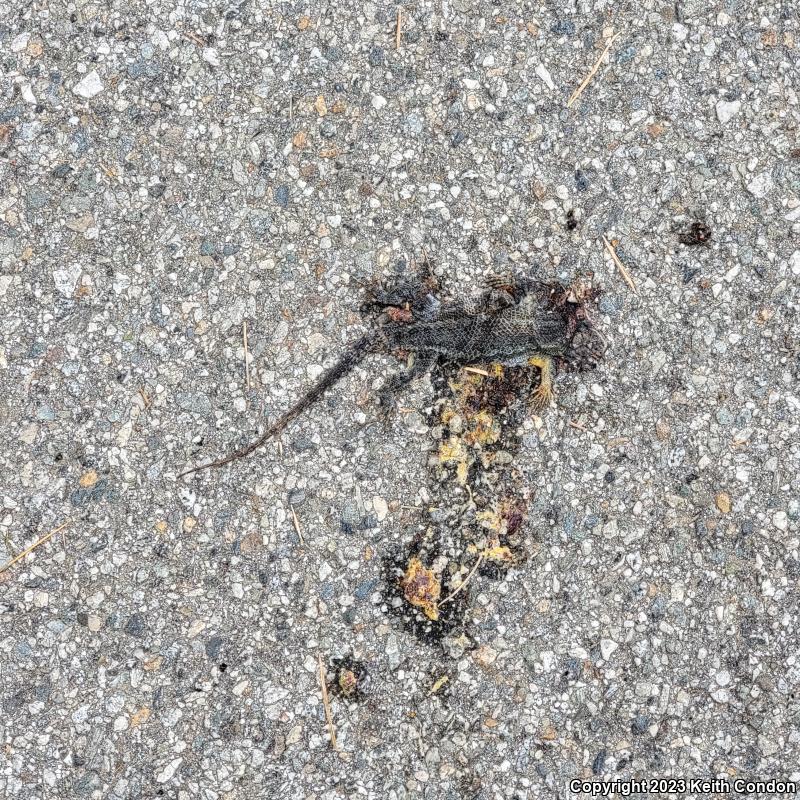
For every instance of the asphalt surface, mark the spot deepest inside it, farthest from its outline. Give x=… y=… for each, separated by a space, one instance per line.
x=170 y=172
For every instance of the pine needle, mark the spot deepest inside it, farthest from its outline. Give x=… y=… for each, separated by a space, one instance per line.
x=399 y=29
x=297 y=524
x=592 y=72
x=246 y=354
x=34 y=546
x=620 y=266
x=326 y=704
x=463 y=583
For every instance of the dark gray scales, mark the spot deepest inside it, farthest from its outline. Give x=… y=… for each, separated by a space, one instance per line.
x=509 y=325
x=502 y=336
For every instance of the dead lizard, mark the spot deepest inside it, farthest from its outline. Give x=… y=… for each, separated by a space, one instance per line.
x=511 y=326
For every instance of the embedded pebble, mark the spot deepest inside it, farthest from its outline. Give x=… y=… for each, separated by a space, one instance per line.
x=607 y=648
x=89 y=86
x=542 y=72
x=66 y=279
x=381 y=508
x=726 y=111
x=761 y=185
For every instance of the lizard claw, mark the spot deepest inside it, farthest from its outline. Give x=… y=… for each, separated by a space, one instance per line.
x=543 y=395
x=542 y=398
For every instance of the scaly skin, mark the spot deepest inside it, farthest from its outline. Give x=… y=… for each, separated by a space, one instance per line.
x=509 y=327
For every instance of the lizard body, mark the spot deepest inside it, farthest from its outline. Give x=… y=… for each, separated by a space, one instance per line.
x=509 y=327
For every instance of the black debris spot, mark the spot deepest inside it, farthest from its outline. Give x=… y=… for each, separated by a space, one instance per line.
x=698 y=234
x=571 y=223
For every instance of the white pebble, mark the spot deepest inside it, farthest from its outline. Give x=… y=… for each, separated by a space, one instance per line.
x=380 y=507
x=732 y=273
x=576 y=651
x=761 y=185
x=607 y=647
x=541 y=71
x=168 y=771
x=65 y=279
x=19 y=43
x=27 y=94
x=90 y=86
x=721 y=695
x=780 y=521
x=680 y=32
x=726 y=111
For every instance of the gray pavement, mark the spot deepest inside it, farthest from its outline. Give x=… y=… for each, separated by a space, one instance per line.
x=169 y=172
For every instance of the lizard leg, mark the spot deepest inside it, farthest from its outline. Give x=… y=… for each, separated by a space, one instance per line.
x=543 y=395
x=422 y=364
x=415 y=301
x=506 y=289
x=415 y=291
x=456 y=310
x=499 y=291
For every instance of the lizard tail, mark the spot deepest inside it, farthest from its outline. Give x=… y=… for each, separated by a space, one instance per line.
x=351 y=359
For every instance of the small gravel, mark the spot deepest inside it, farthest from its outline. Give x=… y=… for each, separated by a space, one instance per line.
x=171 y=172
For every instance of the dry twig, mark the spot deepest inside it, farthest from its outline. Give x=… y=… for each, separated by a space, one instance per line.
x=297 y=525
x=463 y=583
x=246 y=354
x=620 y=266
x=399 y=29
x=193 y=37
x=326 y=704
x=438 y=685
x=34 y=546
x=592 y=72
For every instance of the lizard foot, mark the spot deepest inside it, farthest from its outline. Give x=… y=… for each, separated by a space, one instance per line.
x=506 y=289
x=543 y=396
